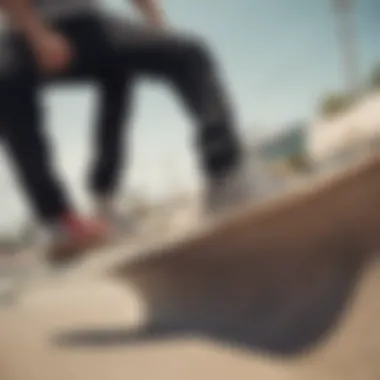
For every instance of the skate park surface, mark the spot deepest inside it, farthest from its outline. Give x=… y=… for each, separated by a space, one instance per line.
x=286 y=291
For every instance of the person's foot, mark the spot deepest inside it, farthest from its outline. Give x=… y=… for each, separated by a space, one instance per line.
x=232 y=190
x=248 y=183
x=72 y=236
x=106 y=209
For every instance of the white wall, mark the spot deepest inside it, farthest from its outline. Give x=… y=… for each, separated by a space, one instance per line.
x=357 y=126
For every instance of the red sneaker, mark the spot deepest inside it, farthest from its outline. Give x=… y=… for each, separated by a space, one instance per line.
x=73 y=236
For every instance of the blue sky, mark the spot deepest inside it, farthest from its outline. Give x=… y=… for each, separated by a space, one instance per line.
x=278 y=57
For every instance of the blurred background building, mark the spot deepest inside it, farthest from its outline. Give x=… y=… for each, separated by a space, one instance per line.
x=347 y=136
x=286 y=152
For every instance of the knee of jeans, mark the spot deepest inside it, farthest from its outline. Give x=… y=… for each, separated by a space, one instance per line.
x=198 y=52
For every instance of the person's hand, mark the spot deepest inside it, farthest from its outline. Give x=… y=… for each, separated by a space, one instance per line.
x=51 y=50
x=152 y=13
x=157 y=21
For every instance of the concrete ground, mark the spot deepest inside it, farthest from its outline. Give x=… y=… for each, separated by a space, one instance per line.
x=31 y=328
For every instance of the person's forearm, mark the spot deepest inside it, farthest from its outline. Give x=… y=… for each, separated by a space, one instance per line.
x=151 y=11
x=23 y=16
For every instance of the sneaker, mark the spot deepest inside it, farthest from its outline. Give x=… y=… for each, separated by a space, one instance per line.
x=106 y=209
x=230 y=191
x=71 y=237
x=248 y=183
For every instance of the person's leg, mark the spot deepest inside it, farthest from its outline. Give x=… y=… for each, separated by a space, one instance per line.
x=112 y=112
x=188 y=64
x=25 y=140
x=110 y=150
x=95 y=61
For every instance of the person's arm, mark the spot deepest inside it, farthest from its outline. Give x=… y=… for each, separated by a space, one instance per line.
x=151 y=11
x=51 y=50
x=23 y=16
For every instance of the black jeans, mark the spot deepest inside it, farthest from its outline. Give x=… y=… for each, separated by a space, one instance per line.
x=112 y=53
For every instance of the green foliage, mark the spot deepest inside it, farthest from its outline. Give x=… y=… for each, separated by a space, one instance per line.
x=300 y=162
x=375 y=77
x=334 y=103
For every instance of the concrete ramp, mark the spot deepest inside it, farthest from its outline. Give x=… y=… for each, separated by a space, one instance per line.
x=278 y=277
x=293 y=274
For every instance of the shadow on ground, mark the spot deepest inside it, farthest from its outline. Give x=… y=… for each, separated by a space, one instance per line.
x=268 y=329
